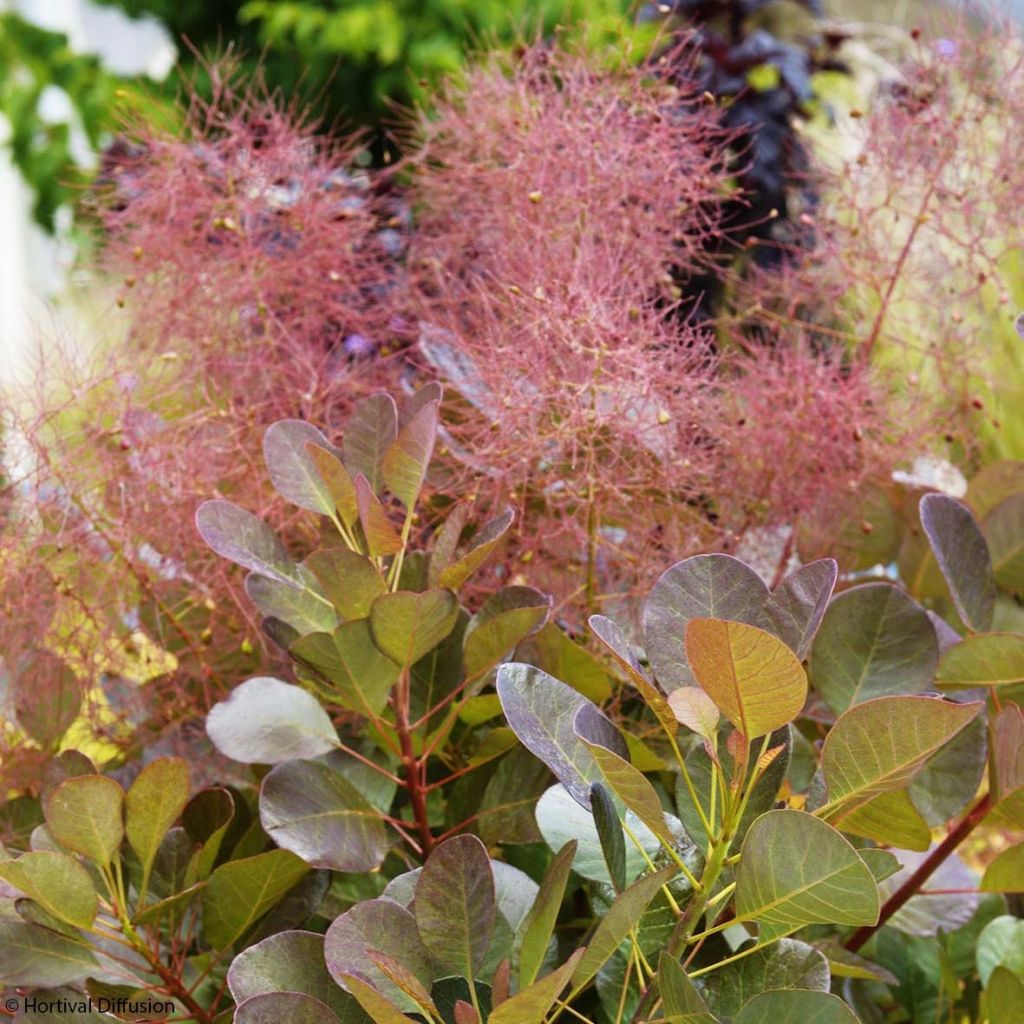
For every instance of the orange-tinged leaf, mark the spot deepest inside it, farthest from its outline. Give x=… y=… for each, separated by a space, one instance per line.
x=754 y=678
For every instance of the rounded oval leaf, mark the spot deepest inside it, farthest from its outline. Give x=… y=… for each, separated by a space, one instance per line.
x=245 y=540
x=267 y=721
x=1004 y=532
x=293 y=1007
x=153 y=804
x=57 y=882
x=796 y=870
x=292 y=471
x=543 y=712
x=85 y=814
x=384 y=927
x=455 y=905
x=286 y=962
x=884 y=743
x=874 y=641
x=754 y=678
x=985 y=659
x=309 y=808
x=701 y=587
x=794 y=1006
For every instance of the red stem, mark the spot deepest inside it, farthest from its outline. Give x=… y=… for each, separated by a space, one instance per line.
x=928 y=867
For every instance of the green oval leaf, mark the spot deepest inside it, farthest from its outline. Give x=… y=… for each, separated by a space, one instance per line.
x=1001 y=943
x=701 y=587
x=350 y=581
x=963 y=557
x=57 y=882
x=84 y=814
x=786 y=964
x=153 y=803
x=1005 y=873
x=796 y=1007
x=884 y=743
x=874 y=641
x=754 y=678
x=306 y=611
x=352 y=663
x=309 y=808
x=985 y=659
x=406 y=626
x=455 y=905
x=797 y=870
x=1004 y=532
x=240 y=892
x=505 y=620
x=266 y=721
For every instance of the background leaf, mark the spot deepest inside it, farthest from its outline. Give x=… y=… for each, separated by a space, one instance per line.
x=274 y=1007
x=985 y=659
x=874 y=641
x=963 y=557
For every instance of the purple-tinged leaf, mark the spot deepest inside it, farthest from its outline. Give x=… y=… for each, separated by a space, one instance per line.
x=963 y=557
x=371 y=430
x=704 y=586
x=246 y=540
x=337 y=481
x=455 y=905
x=796 y=607
x=542 y=712
x=275 y=1007
x=404 y=466
x=464 y=564
x=381 y=536
x=293 y=472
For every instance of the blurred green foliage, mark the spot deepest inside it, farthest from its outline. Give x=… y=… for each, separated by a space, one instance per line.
x=352 y=60
x=31 y=59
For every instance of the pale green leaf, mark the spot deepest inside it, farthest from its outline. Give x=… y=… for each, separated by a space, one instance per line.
x=796 y=870
x=85 y=814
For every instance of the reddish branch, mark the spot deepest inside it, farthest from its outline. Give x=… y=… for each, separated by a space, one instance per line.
x=928 y=867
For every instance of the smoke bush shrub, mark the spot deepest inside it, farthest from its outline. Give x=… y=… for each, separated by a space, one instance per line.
x=554 y=200
x=915 y=266
x=687 y=851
